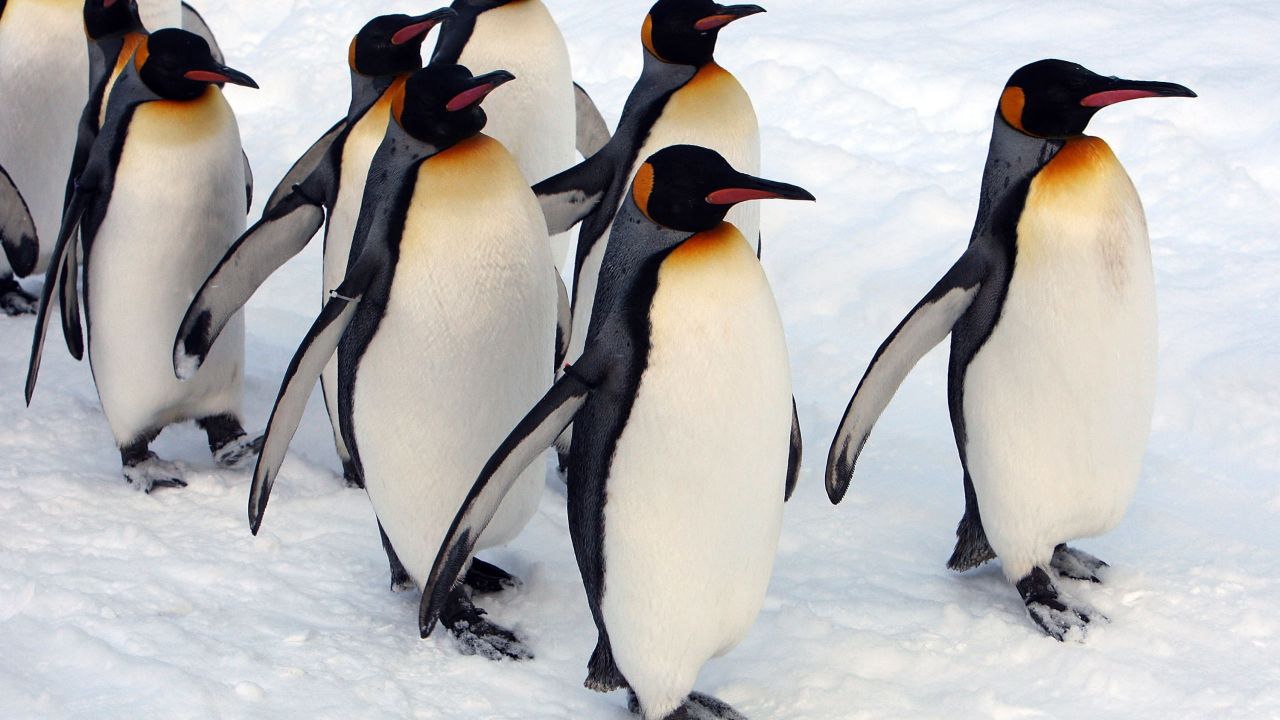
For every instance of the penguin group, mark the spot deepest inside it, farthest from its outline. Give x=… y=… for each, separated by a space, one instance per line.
x=452 y=355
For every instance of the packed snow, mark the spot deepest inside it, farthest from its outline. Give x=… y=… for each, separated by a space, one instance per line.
x=115 y=604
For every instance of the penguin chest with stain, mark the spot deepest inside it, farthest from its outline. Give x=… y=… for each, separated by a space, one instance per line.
x=176 y=205
x=44 y=63
x=1058 y=401
x=695 y=489
x=464 y=347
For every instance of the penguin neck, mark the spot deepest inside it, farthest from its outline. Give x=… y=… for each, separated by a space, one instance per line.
x=636 y=260
x=1012 y=160
x=367 y=90
x=657 y=82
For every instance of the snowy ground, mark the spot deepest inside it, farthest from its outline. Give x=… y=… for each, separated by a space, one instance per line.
x=119 y=605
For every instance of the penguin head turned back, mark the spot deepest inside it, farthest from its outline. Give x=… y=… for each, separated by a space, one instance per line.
x=111 y=18
x=440 y=104
x=1057 y=99
x=691 y=189
x=685 y=31
x=177 y=65
x=392 y=44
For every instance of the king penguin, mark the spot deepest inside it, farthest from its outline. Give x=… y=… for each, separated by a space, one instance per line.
x=543 y=117
x=1052 y=317
x=445 y=330
x=686 y=450
x=43 y=71
x=330 y=177
x=682 y=96
x=161 y=197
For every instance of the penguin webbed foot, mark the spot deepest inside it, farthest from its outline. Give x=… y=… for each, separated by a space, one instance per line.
x=1076 y=564
x=1057 y=616
x=149 y=472
x=475 y=635
x=15 y=301
x=230 y=445
x=485 y=578
x=695 y=707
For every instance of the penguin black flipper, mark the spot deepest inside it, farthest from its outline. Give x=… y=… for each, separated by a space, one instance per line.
x=80 y=201
x=17 y=229
x=279 y=235
x=305 y=165
x=304 y=369
x=592 y=130
x=797 y=452
x=533 y=435
x=926 y=326
x=564 y=322
x=248 y=182
x=69 y=304
x=572 y=195
x=193 y=22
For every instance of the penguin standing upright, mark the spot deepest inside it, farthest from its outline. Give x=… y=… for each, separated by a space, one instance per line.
x=329 y=176
x=161 y=196
x=444 y=326
x=1052 y=317
x=685 y=450
x=43 y=71
x=682 y=96
x=537 y=119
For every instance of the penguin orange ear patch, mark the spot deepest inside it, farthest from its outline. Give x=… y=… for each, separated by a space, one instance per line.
x=1011 y=104
x=642 y=188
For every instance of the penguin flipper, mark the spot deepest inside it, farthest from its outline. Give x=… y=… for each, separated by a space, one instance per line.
x=305 y=165
x=278 y=236
x=304 y=369
x=570 y=196
x=796 y=454
x=248 y=182
x=17 y=229
x=564 y=321
x=593 y=131
x=193 y=22
x=533 y=435
x=69 y=305
x=927 y=324
x=57 y=262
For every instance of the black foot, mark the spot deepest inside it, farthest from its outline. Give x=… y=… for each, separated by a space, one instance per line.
x=150 y=472
x=1076 y=564
x=484 y=578
x=351 y=474
x=400 y=580
x=477 y=636
x=695 y=707
x=230 y=446
x=14 y=300
x=1057 y=617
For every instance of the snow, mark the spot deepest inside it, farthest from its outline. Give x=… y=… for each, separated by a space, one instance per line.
x=115 y=604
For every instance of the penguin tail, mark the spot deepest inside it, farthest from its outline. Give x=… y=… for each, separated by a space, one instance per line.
x=972 y=548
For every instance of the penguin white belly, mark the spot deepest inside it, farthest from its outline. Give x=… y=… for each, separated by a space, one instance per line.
x=1058 y=401
x=44 y=71
x=711 y=110
x=695 y=490
x=177 y=205
x=533 y=117
x=357 y=155
x=462 y=351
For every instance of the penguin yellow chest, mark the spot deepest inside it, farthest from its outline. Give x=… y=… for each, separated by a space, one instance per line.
x=463 y=349
x=695 y=488
x=1058 y=400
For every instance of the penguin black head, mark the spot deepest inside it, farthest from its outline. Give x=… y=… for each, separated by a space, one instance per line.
x=111 y=18
x=177 y=65
x=392 y=44
x=691 y=188
x=1057 y=99
x=441 y=103
x=685 y=31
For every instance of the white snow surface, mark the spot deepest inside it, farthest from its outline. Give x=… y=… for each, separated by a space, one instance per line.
x=115 y=604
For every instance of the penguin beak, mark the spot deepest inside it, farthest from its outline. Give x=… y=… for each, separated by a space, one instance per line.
x=724 y=15
x=1115 y=90
x=421 y=25
x=747 y=187
x=481 y=85
x=221 y=74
